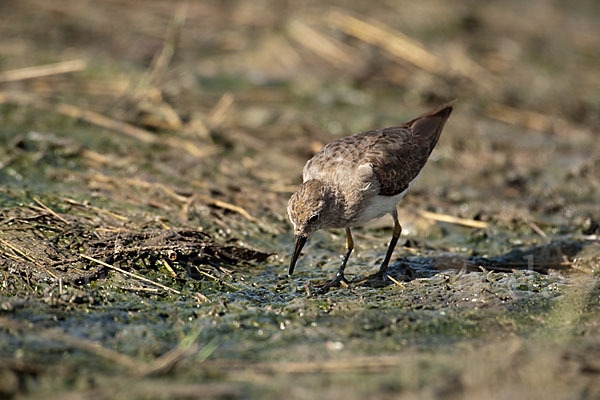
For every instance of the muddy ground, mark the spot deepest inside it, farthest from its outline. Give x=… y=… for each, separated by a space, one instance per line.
x=145 y=170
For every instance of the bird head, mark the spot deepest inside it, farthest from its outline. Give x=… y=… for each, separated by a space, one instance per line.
x=312 y=207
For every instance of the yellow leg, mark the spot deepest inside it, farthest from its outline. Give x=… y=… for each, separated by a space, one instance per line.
x=349 y=241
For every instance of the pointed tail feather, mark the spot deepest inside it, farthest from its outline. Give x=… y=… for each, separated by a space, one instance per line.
x=427 y=128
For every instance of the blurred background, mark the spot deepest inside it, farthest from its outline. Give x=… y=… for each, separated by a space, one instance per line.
x=241 y=93
x=201 y=114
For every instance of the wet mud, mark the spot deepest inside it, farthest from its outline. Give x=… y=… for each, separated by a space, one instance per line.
x=144 y=239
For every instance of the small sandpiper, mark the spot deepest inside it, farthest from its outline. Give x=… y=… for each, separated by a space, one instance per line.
x=358 y=178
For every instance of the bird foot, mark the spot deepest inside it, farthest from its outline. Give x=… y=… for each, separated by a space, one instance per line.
x=378 y=277
x=338 y=281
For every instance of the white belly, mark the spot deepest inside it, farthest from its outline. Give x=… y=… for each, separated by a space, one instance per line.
x=381 y=205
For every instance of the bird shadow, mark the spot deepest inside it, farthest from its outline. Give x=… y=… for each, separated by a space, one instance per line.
x=557 y=255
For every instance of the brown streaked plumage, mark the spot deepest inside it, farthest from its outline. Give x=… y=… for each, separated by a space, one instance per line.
x=361 y=177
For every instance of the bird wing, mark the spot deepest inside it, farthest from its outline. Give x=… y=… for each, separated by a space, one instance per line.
x=396 y=155
x=399 y=153
x=395 y=158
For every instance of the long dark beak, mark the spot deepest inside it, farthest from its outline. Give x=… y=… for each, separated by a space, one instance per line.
x=300 y=241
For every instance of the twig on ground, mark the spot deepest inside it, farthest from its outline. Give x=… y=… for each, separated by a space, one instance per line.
x=405 y=49
x=141 y=278
x=27 y=257
x=166 y=264
x=216 y=279
x=102 y=121
x=409 y=249
x=218 y=113
x=48 y=209
x=453 y=220
x=40 y=71
x=187 y=201
x=227 y=206
x=95 y=157
x=163 y=58
x=336 y=53
x=396 y=281
x=537 y=229
x=393 y=42
x=97 y=209
x=139 y=288
x=200 y=298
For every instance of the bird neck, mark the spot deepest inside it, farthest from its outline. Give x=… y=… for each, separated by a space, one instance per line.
x=336 y=207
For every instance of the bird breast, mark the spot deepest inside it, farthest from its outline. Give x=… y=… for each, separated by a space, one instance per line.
x=377 y=206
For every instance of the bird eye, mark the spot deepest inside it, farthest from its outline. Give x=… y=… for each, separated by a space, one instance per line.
x=314 y=218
